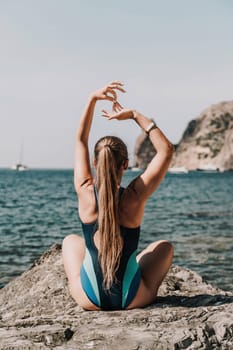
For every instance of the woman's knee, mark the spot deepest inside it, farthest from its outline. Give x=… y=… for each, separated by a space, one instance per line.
x=167 y=250
x=72 y=242
x=163 y=249
x=73 y=252
x=168 y=246
x=162 y=244
x=67 y=238
x=70 y=239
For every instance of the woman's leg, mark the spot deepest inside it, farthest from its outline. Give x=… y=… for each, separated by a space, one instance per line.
x=154 y=262
x=73 y=253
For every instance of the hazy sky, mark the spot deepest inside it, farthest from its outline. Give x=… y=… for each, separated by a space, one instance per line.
x=175 y=58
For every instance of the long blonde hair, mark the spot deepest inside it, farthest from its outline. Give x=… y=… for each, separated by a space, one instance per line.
x=110 y=154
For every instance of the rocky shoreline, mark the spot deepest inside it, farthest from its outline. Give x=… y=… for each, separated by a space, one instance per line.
x=206 y=144
x=37 y=312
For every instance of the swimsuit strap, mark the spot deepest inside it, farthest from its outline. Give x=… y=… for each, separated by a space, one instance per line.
x=96 y=196
x=121 y=190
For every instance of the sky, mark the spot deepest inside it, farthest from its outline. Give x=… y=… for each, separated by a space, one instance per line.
x=174 y=57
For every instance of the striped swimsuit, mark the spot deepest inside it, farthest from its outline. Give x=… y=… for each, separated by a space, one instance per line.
x=128 y=275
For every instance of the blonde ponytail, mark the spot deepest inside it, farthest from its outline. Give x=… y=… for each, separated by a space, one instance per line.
x=110 y=153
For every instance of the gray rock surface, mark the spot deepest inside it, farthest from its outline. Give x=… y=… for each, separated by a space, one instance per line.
x=143 y=151
x=206 y=142
x=37 y=312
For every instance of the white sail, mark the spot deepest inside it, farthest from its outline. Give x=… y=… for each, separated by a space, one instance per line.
x=20 y=166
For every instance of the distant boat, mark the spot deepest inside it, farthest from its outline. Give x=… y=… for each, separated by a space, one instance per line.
x=178 y=170
x=20 y=166
x=208 y=168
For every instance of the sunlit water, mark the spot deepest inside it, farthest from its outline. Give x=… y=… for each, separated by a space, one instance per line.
x=194 y=211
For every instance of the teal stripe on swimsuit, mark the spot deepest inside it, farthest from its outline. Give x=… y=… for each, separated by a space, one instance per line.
x=89 y=268
x=87 y=286
x=131 y=270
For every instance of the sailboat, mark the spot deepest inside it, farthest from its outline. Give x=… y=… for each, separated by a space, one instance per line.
x=208 y=168
x=20 y=166
x=178 y=170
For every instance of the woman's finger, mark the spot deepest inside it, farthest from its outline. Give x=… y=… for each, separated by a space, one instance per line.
x=105 y=113
x=111 y=91
x=116 y=85
x=114 y=107
x=118 y=103
x=113 y=86
x=116 y=82
x=117 y=107
x=109 y=98
x=108 y=115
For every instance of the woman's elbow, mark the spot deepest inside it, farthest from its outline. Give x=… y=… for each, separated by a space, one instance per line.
x=169 y=150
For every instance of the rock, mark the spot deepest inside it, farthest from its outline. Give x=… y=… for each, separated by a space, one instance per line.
x=143 y=151
x=207 y=142
x=37 y=312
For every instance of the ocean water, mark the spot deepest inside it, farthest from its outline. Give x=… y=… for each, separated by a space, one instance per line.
x=194 y=211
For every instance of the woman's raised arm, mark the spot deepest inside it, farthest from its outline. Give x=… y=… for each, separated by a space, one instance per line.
x=157 y=168
x=82 y=166
x=144 y=185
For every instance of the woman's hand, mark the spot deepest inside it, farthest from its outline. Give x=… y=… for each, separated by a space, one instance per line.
x=121 y=114
x=108 y=93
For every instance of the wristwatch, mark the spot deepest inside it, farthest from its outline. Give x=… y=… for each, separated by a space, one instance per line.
x=150 y=127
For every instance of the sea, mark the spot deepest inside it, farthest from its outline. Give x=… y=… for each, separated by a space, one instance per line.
x=194 y=211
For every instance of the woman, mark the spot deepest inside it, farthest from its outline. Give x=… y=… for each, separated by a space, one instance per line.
x=102 y=269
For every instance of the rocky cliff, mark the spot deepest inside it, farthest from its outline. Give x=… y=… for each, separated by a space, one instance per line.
x=37 y=312
x=207 y=141
x=143 y=151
